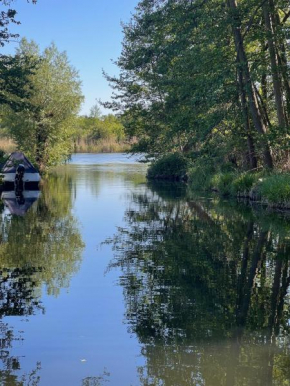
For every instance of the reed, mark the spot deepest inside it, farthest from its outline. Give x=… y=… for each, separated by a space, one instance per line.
x=101 y=146
x=7 y=145
x=82 y=145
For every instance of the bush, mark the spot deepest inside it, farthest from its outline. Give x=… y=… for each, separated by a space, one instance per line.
x=275 y=189
x=243 y=183
x=200 y=177
x=223 y=182
x=169 y=167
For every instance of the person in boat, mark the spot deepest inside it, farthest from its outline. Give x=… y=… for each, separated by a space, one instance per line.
x=19 y=185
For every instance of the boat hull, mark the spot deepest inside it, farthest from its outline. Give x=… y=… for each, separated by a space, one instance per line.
x=27 y=177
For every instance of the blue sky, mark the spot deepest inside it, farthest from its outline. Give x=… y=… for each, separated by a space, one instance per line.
x=88 y=30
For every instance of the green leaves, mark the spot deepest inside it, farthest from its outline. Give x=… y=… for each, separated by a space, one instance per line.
x=183 y=86
x=44 y=129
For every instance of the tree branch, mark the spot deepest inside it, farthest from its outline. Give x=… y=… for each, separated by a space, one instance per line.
x=252 y=18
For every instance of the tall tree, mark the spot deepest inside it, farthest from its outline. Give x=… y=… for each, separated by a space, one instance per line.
x=244 y=65
x=44 y=131
x=197 y=77
x=15 y=87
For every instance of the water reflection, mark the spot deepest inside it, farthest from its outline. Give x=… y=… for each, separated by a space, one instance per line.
x=97 y=381
x=10 y=365
x=19 y=202
x=206 y=287
x=93 y=177
x=41 y=249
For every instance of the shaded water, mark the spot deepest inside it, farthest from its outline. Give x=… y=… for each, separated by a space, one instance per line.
x=111 y=280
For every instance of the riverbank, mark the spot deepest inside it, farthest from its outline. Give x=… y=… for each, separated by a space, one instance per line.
x=7 y=145
x=271 y=189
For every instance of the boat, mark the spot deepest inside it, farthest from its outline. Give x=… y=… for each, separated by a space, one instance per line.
x=18 y=203
x=17 y=164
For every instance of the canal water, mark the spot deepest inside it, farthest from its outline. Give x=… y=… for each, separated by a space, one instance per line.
x=107 y=279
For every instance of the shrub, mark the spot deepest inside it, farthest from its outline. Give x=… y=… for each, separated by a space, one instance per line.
x=223 y=182
x=169 y=167
x=243 y=183
x=200 y=177
x=275 y=189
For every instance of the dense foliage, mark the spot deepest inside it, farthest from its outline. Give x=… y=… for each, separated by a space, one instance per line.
x=97 y=131
x=208 y=78
x=15 y=87
x=169 y=167
x=44 y=130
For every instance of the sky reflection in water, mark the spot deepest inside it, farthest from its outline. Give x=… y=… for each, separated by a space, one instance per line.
x=111 y=280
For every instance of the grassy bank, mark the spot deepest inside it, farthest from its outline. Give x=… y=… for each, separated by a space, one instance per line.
x=270 y=189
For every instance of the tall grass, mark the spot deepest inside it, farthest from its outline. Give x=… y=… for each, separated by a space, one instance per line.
x=7 y=145
x=101 y=146
x=272 y=189
x=275 y=189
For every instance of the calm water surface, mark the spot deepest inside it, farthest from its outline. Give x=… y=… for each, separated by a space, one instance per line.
x=109 y=280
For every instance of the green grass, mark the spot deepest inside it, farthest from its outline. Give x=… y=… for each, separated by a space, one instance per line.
x=223 y=182
x=200 y=177
x=275 y=189
x=244 y=182
x=272 y=189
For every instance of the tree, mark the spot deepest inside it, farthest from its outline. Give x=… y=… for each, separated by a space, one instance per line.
x=15 y=70
x=7 y=16
x=44 y=130
x=95 y=127
x=95 y=111
x=15 y=85
x=207 y=78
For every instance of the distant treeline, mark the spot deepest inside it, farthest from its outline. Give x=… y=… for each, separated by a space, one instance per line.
x=98 y=133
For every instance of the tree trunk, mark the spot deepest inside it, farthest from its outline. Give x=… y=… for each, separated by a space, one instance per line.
x=282 y=59
x=41 y=144
x=253 y=163
x=274 y=64
x=244 y=65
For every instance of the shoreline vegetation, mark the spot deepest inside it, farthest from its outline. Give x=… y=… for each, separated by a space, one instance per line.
x=101 y=146
x=82 y=145
x=268 y=188
x=208 y=102
x=271 y=190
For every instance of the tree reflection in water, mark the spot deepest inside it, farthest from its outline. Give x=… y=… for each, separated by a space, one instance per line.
x=43 y=248
x=206 y=287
